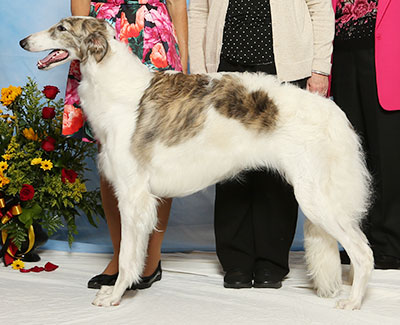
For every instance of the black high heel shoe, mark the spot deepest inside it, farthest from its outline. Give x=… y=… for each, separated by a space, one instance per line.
x=102 y=280
x=147 y=281
x=109 y=280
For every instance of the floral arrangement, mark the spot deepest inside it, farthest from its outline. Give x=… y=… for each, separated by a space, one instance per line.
x=41 y=172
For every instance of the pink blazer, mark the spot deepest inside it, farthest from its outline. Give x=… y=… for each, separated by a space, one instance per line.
x=387 y=53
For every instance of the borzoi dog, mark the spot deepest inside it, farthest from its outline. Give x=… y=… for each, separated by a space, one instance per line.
x=166 y=134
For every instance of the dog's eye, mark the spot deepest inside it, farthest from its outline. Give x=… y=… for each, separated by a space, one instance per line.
x=61 y=28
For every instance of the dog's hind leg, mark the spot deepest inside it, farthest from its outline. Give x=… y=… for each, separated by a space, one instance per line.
x=356 y=245
x=362 y=260
x=138 y=219
x=323 y=261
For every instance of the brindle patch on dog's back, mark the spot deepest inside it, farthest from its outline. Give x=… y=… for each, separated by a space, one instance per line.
x=174 y=108
x=254 y=109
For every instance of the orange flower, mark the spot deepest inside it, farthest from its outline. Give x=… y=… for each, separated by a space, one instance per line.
x=8 y=95
x=158 y=56
x=30 y=134
x=131 y=30
x=4 y=181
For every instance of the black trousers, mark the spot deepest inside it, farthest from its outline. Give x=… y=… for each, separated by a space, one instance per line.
x=354 y=89
x=255 y=215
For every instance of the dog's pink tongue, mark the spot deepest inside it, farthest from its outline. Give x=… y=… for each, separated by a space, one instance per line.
x=54 y=56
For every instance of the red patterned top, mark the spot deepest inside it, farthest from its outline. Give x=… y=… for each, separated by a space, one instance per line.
x=355 y=21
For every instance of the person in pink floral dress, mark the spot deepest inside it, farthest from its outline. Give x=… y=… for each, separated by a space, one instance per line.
x=155 y=31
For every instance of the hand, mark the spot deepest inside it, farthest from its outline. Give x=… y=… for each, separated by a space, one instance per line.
x=318 y=83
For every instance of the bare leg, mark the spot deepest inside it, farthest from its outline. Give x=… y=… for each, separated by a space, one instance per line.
x=156 y=239
x=111 y=211
x=110 y=206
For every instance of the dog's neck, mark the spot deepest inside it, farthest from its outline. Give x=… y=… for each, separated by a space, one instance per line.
x=112 y=86
x=119 y=64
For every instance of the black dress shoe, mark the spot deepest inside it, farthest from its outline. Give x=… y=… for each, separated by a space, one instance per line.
x=102 y=280
x=263 y=279
x=147 y=281
x=386 y=262
x=237 y=279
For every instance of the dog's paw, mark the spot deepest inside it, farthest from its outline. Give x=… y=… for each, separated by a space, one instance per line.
x=328 y=292
x=348 y=304
x=105 y=297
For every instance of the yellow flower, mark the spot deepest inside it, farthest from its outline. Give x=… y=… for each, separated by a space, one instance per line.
x=1 y=111
x=46 y=165
x=4 y=181
x=36 y=161
x=3 y=165
x=30 y=134
x=6 y=156
x=8 y=95
x=13 y=117
x=18 y=264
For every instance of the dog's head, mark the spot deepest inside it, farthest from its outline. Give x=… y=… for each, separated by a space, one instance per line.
x=73 y=38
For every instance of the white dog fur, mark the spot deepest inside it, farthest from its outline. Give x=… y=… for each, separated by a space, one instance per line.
x=173 y=145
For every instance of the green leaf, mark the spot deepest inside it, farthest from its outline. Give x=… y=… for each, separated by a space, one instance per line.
x=28 y=214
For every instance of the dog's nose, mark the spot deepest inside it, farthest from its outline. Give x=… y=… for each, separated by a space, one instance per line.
x=23 y=42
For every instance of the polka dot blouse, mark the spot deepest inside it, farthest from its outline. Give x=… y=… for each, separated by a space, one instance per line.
x=247 y=37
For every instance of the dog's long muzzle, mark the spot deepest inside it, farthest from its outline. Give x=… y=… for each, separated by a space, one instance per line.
x=24 y=43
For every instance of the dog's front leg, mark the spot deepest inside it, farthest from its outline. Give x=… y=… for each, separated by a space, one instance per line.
x=138 y=219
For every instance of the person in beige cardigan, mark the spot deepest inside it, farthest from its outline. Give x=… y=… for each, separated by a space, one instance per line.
x=255 y=219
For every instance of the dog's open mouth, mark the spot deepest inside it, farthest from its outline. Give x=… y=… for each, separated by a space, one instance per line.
x=53 y=57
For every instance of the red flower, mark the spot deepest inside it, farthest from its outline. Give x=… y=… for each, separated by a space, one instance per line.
x=68 y=174
x=27 y=192
x=50 y=91
x=361 y=8
x=48 y=113
x=48 y=144
x=72 y=119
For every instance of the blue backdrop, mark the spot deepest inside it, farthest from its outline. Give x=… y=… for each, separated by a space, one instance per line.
x=191 y=221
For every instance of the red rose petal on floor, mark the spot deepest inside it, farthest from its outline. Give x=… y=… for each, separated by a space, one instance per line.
x=50 y=267
x=24 y=270
x=37 y=269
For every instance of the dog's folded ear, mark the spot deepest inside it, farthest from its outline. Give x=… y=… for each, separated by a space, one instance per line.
x=95 y=45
